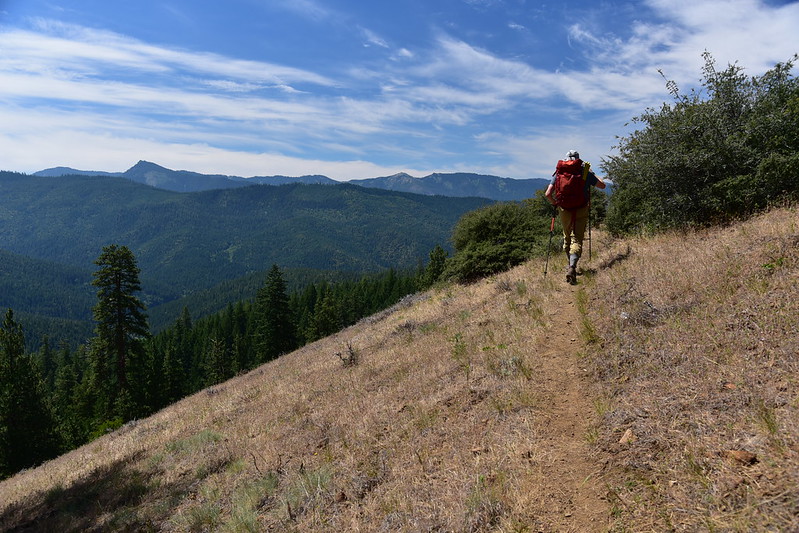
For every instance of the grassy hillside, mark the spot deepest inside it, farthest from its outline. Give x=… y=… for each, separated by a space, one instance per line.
x=697 y=354
x=658 y=394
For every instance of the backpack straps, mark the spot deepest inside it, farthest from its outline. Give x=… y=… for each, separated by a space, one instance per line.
x=586 y=186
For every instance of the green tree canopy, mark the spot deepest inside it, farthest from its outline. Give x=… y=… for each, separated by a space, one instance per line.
x=495 y=238
x=27 y=434
x=275 y=328
x=117 y=348
x=713 y=154
x=435 y=267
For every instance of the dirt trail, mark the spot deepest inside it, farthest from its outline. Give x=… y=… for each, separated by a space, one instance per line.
x=572 y=490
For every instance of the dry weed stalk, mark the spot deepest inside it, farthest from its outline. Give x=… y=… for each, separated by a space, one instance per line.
x=350 y=358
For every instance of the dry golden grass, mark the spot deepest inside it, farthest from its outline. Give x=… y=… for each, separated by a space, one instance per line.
x=497 y=406
x=451 y=420
x=700 y=360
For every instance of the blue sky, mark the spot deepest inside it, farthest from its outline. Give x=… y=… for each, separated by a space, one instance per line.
x=354 y=88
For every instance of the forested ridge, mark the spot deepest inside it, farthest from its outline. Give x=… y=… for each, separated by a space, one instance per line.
x=187 y=241
x=210 y=244
x=458 y=184
x=45 y=287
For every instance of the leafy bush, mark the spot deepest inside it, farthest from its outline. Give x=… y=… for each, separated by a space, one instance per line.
x=495 y=238
x=713 y=155
x=500 y=236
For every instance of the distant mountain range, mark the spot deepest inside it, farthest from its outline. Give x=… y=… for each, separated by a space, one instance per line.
x=193 y=233
x=184 y=180
x=459 y=185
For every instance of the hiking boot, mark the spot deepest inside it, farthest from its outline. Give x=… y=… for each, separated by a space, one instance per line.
x=571 y=275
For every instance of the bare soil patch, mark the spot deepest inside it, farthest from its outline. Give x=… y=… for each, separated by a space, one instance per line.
x=572 y=475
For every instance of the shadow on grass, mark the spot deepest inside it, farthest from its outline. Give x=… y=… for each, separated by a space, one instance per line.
x=617 y=258
x=107 y=499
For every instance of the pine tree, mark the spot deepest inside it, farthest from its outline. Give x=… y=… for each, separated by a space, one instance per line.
x=275 y=328
x=240 y=342
x=435 y=268
x=327 y=316
x=173 y=376
x=69 y=404
x=45 y=359
x=27 y=434
x=218 y=363
x=183 y=356
x=302 y=305
x=117 y=348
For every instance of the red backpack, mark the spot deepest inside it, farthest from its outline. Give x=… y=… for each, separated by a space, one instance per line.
x=570 y=180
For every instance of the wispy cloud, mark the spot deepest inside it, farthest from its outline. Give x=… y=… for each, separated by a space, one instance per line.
x=751 y=32
x=372 y=39
x=310 y=9
x=65 y=87
x=61 y=47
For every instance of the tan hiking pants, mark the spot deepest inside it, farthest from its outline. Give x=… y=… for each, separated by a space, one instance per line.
x=573 y=223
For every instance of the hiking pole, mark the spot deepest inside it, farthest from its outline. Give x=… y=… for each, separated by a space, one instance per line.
x=590 y=240
x=551 y=233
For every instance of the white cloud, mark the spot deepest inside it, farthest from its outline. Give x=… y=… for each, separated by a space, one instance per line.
x=477 y=83
x=116 y=154
x=482 y=3
x=373 y=39
x=81 y=51
x=404 y=53
x=750 y=32
x=232 y=86
x=534 y=154
x=310 y=9
x=67 y=87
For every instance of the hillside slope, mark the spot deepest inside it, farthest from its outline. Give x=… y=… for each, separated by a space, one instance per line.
x=697 y=354
x=447 y=420
x=495 y=406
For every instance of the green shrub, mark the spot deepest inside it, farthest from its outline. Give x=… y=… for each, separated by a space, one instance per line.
x=713 y=155
x=495 y=238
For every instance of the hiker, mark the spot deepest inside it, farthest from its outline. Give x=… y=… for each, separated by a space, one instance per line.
x=569 y=191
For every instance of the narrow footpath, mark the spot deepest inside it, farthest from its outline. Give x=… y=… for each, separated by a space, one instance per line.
x=571 y=482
